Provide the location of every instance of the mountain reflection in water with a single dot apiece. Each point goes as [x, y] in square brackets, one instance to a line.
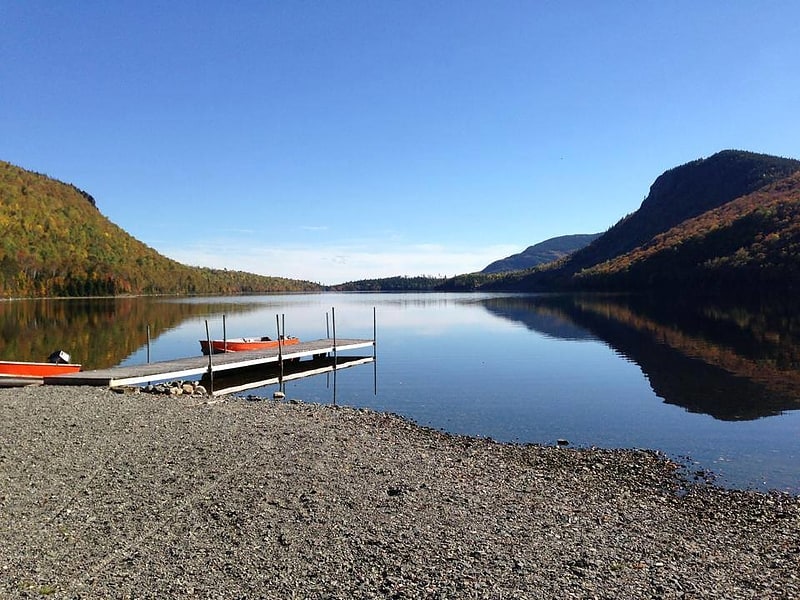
[730, 361]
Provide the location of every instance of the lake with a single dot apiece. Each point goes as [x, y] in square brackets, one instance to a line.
[713, 385]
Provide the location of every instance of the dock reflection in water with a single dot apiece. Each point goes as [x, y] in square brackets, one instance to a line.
[241, 380]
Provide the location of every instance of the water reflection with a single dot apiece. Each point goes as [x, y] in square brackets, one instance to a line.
[497, 365]
[731, 361]
[96, 332]
[240, 380]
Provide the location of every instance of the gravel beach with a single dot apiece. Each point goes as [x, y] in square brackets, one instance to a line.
[108, 495]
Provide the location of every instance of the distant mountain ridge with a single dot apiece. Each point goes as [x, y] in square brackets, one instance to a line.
[729, 222]
[542, 253]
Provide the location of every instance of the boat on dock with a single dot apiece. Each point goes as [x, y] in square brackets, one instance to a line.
[57, 364]
[196, 366]
[246, 344]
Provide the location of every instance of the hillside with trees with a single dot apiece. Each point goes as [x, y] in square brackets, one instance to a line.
[754, 239]
[682, 193]
[55, 242]
[679, 196]
[724, 223]
[390, 284]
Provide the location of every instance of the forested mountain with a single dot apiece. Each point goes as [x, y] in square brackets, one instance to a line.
[727, 222]
[753, 240]
[682, 195]
[542, 253]
[55, 242]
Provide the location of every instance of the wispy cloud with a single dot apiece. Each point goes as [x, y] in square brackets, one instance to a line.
[338, 263]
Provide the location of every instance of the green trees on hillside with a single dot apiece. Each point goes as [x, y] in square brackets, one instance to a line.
[391, 284]
[54, 242]
[727, 223]
[752, 241]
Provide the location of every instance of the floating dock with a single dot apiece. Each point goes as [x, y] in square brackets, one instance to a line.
[204, 365]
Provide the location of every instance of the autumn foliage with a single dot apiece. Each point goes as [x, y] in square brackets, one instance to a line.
[727, 223]
[55, 242]
[753, 240]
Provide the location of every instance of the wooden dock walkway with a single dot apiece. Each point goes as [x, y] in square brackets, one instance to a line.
[200, 365]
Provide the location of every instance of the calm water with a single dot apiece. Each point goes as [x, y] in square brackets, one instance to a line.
[716, 386]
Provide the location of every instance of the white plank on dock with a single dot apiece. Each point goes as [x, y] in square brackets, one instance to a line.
[199, 365]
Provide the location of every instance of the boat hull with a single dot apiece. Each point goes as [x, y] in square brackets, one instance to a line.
[19, 369]
[244, 344]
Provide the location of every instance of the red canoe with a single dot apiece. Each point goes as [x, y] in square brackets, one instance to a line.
[244, 344]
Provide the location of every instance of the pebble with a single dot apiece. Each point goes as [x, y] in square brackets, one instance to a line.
[126, 496]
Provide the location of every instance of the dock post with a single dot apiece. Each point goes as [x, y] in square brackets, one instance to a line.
[224, 336]
[335, 362]
[210, 363]
[333, 322]
[280, 350]
[334, 384]
[148, 344]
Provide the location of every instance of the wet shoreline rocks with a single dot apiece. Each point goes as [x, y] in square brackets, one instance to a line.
[151, 496]
[169, 388]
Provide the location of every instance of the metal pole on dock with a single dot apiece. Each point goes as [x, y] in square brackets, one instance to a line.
[148, 344]
[210, 362]
[224, 336]
[280, 351]
[333, 322]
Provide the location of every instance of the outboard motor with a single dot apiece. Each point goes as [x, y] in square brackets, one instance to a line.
[59, 357]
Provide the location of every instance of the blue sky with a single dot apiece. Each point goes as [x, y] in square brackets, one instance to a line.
[340, 140]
